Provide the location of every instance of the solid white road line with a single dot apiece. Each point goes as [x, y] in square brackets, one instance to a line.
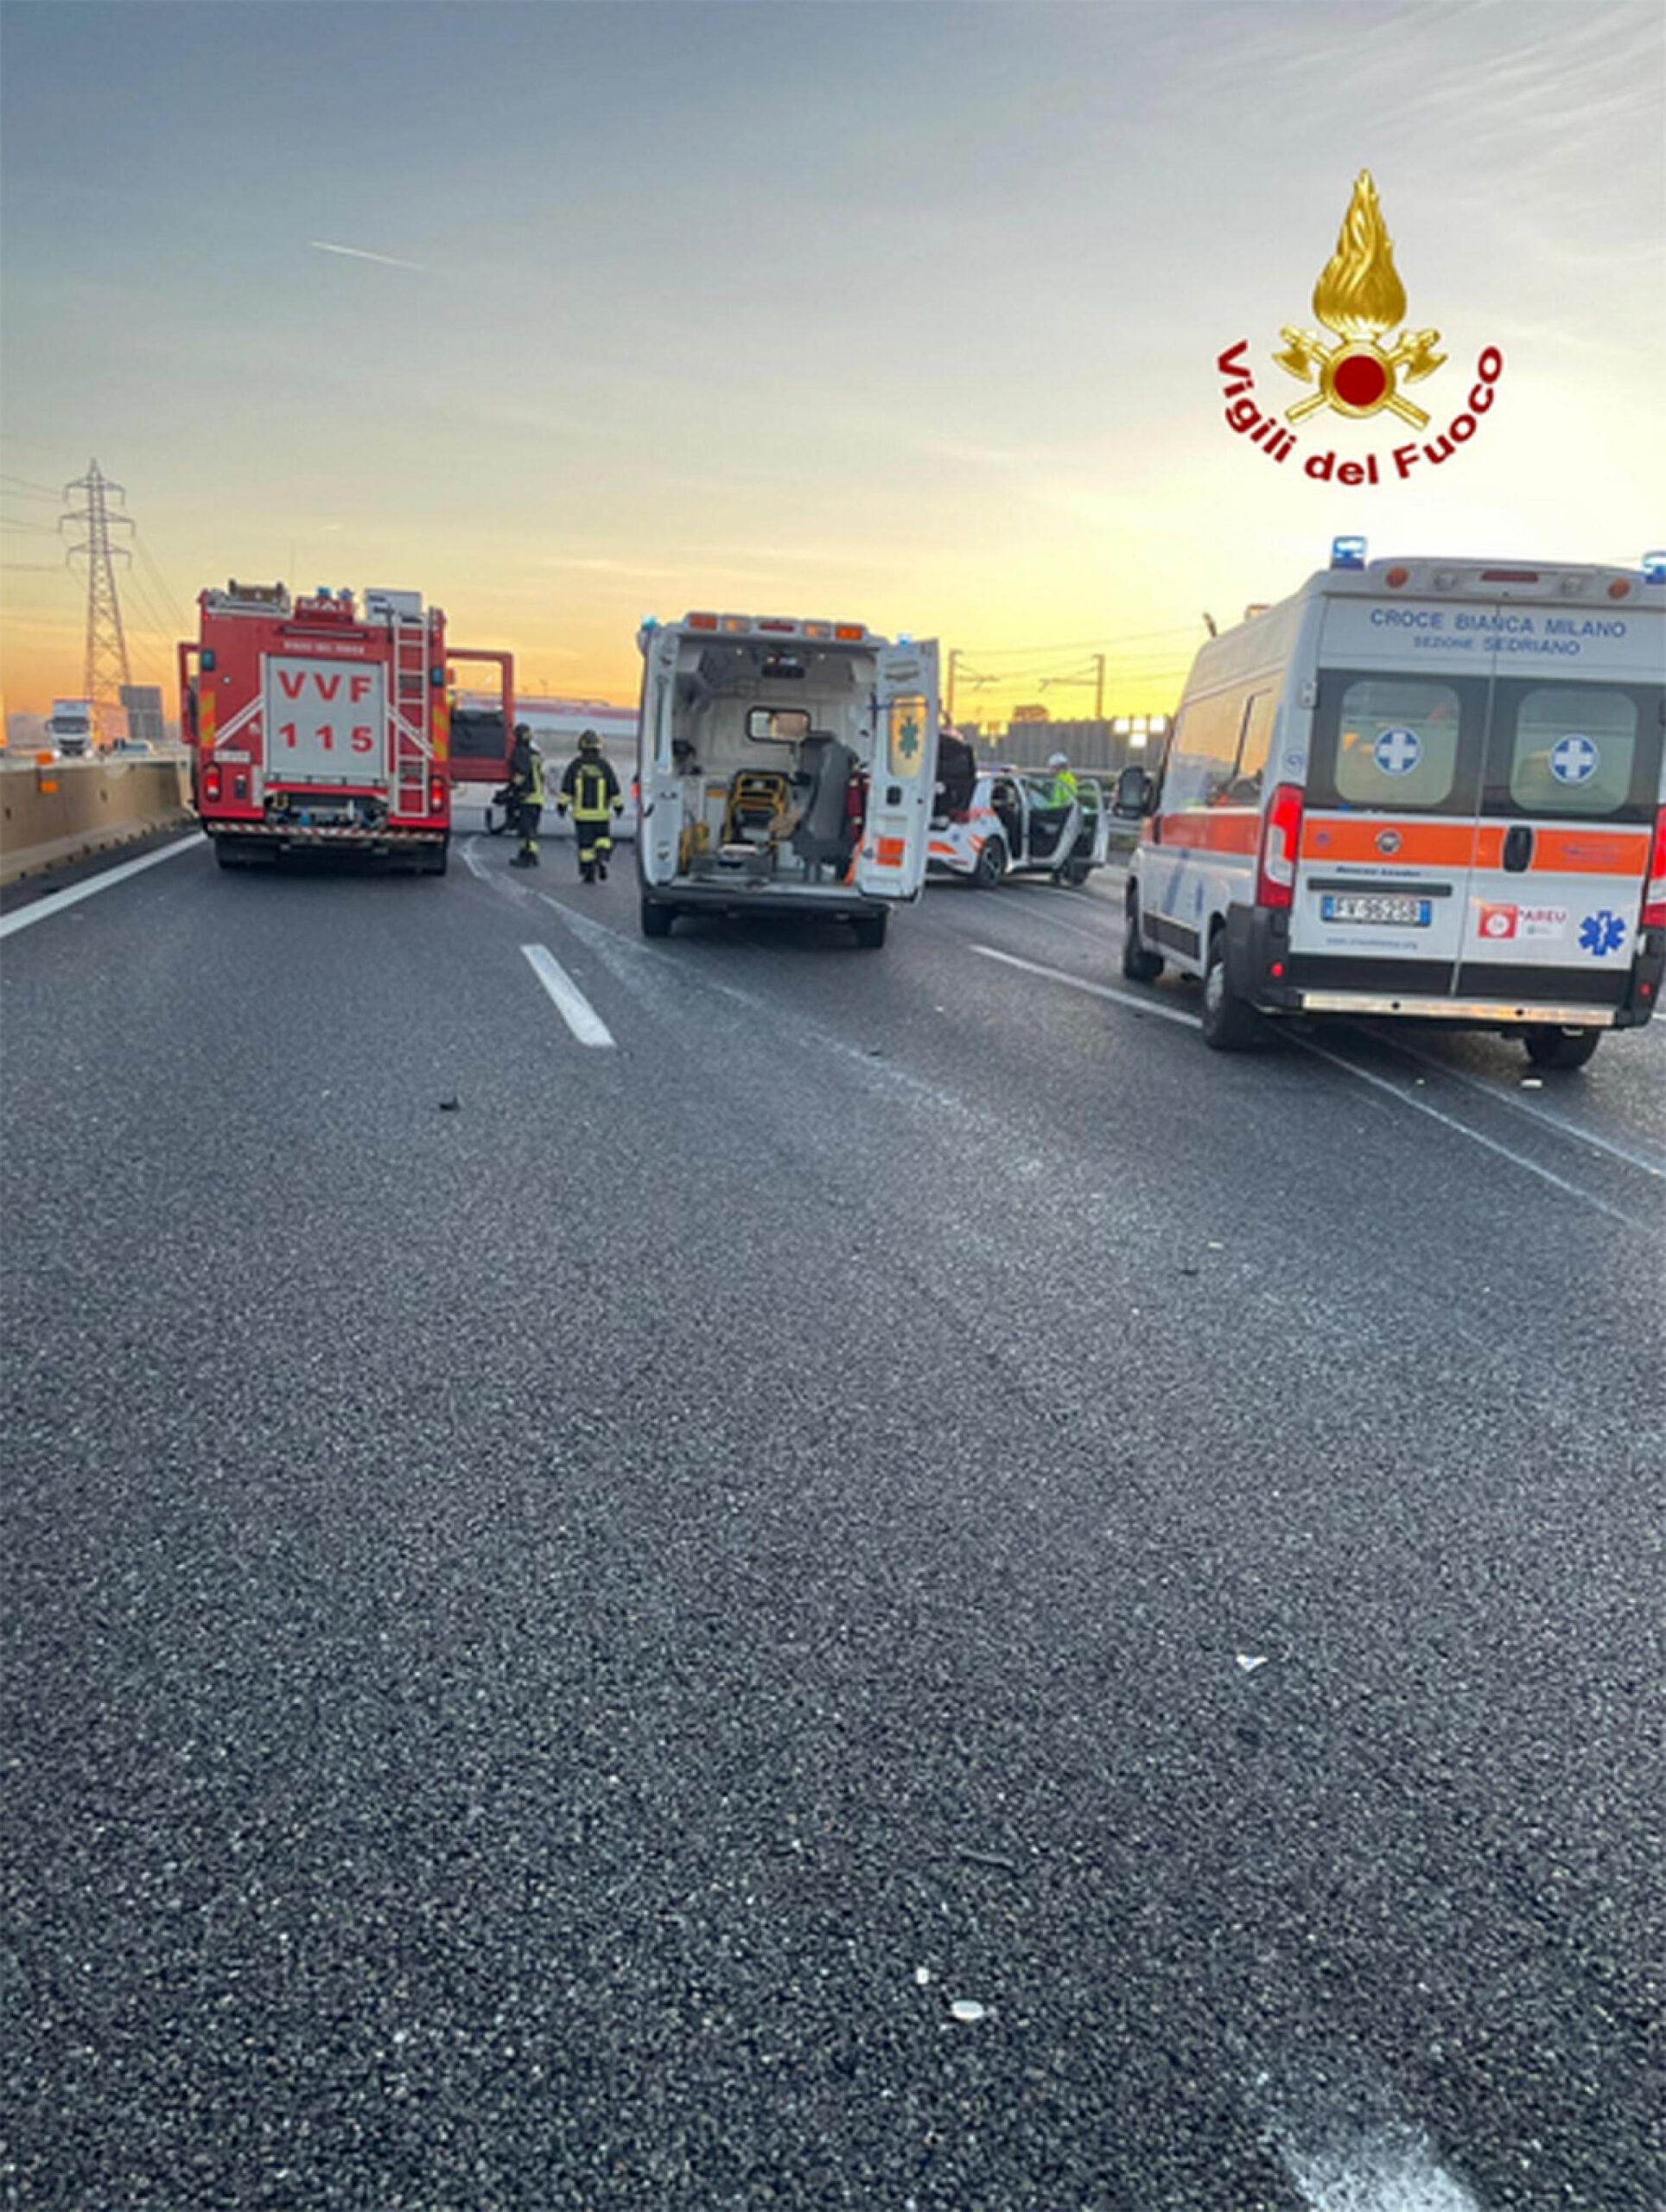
[571, 1004]
[1094, 990]
[1360, 1075]
[1451, 1121]
[43, 910]
[1534, 1113]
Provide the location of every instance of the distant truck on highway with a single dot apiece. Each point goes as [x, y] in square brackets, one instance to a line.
[73, 727]
[784, 767]
[315, 725]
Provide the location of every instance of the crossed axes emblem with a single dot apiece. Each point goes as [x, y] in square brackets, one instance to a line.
[1307, 357]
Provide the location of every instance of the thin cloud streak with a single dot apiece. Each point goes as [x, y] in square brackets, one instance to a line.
[359, 253]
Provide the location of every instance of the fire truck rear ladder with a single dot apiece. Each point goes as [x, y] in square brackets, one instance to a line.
[413, 746]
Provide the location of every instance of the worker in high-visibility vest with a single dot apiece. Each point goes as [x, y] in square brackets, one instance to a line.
[1063, 793]
[591, 790]
[526, 796]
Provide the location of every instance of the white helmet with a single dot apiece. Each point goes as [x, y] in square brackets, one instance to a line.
[1059, 760]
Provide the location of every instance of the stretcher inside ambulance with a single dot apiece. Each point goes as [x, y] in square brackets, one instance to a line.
[784, 767]
[1424, 789]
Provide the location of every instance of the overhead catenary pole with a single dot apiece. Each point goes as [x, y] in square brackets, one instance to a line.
[106, 668]
[1099, 688]
[949, 707]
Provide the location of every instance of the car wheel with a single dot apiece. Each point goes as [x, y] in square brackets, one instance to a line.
[991, 863]
[1229, 1021]
[1561, 1048]
[1140, 963]
[657, 917]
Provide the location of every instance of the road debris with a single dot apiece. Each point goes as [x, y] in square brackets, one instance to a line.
[968, 2009]
[1250, 1660]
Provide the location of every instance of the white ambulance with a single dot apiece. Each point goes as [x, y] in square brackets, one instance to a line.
[784, 767]
[1423, 788]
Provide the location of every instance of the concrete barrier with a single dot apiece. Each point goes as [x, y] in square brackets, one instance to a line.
[58, 811]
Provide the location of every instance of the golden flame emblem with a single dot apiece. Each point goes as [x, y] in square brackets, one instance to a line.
[1360, 297]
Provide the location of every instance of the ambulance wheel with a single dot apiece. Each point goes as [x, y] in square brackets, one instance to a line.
[1229, 1022]
[657, 917]
[870, 931]
[1561, 1048]
[1140, 963]
[991, 863]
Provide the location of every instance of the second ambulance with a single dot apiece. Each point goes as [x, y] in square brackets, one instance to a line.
[1425, 789]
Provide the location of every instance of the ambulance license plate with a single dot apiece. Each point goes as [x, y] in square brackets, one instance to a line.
[1389, 906]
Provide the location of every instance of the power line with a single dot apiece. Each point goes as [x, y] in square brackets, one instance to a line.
[1084, 644]
[24, 484]
[167, 597]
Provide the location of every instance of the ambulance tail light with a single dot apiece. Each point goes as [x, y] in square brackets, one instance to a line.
[1281, 838]
[1653, 892]
[849, 633]
[211, 786]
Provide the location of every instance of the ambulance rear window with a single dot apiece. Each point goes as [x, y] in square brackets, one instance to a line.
[1396, 742]
[1574, 750]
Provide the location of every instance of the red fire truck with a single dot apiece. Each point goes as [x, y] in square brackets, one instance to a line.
[315, 724]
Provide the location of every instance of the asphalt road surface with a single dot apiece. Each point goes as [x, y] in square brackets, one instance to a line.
[735, 1572]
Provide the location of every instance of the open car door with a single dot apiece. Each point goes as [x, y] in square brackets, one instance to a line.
[891, 863]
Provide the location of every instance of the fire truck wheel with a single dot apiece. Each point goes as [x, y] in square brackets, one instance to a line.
[435, 863]
[234, 852]
[1561, 1048]
[657, 917]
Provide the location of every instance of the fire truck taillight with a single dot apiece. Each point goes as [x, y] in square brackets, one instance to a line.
[211, 782]
[1275, 878]
[437, 794]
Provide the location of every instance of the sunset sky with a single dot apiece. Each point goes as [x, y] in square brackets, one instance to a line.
[907, 314]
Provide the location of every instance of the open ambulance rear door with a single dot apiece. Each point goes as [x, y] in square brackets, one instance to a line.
[891, 863]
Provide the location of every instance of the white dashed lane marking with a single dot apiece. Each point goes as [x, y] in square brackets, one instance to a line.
[575, 1010]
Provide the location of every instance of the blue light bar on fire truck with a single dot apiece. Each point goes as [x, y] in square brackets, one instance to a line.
[1347, 552]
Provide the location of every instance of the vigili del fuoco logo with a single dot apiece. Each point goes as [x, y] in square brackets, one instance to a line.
[1358, 371]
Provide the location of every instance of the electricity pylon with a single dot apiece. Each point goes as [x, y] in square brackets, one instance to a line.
[107, 666]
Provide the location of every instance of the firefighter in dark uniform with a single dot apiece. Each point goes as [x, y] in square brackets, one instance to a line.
[591, 790]
[527, 790]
